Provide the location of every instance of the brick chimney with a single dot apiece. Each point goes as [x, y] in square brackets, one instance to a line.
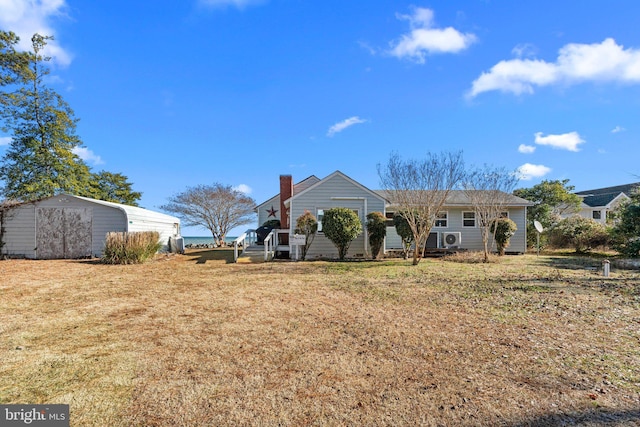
[286, 191]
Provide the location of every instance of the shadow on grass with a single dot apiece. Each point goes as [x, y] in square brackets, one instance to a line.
[573, 262]
[593, 417]
[204, 255]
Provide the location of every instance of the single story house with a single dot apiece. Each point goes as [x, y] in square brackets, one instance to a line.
[67, 226]
[456, 225]
[597, 204]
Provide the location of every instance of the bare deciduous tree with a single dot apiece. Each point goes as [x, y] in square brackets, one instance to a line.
[216, 207]
[419, 188]
[489, 192]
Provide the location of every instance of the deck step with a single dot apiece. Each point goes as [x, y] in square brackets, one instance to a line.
[251, 255]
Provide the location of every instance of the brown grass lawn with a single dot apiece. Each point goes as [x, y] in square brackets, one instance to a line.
[192, 340]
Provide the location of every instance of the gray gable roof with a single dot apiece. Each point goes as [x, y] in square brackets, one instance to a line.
[604, 196]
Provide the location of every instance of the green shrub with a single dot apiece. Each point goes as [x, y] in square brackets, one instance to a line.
[404, 231]
[307, 225]
[130, 248]
[341, 226]
[377, 231]
[503, 229]
[578, 232]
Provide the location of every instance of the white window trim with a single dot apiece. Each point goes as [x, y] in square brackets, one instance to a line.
[319, 218]
[475, 220]
[445, 219]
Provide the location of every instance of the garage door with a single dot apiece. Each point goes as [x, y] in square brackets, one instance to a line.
[63, 233]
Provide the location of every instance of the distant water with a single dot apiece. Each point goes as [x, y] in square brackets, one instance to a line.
[203, 240]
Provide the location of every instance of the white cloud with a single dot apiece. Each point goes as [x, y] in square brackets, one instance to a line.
[25, 18]
[424, 39]
[240, 4]
[243, 188]
[339, 127]
[526, 149]
[5, 140]
[87, 155]
[618, 129]
[566, 141]
[576, 63]
[524, 50]
[528, 171]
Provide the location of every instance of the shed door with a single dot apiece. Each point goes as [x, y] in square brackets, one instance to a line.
[63, 232]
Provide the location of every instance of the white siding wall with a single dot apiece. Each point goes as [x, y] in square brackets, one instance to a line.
[167, 229]
[21, 227]
[20, 236]
[263, 215]
[323, 196]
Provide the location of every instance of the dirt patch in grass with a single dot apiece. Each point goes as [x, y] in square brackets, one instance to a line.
[179, 341]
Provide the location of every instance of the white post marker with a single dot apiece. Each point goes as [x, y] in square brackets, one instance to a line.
[297, 240]
[606, 265]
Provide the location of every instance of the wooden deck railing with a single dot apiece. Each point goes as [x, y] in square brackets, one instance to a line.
[272, 243]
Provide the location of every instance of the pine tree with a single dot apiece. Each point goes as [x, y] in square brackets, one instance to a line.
[40, 161]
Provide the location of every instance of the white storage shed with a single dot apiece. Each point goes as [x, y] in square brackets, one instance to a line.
[67, 226]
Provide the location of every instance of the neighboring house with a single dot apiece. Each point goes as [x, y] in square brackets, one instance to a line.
[67, 226]
[455, 227]
[597, 204]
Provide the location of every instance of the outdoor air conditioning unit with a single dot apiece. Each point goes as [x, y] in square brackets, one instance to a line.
[451, 239]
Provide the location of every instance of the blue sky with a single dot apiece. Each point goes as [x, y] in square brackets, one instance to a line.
[179, 93]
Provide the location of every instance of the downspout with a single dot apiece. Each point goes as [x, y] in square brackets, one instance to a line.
[366, 235]
[526, 240]
[35, 232]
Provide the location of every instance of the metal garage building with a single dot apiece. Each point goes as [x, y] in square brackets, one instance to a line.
[67, 226]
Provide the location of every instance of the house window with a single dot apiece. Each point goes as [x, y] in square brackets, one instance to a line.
[320, 215]
[389, 217]
[468, 219]
[504, 214]
[597, 215]
[441, 219]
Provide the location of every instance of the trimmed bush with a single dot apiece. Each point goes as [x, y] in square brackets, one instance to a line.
[341, 226]
[503, 229]
[404, 231]
[377, 230]
[130, 248]
[307, 225]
